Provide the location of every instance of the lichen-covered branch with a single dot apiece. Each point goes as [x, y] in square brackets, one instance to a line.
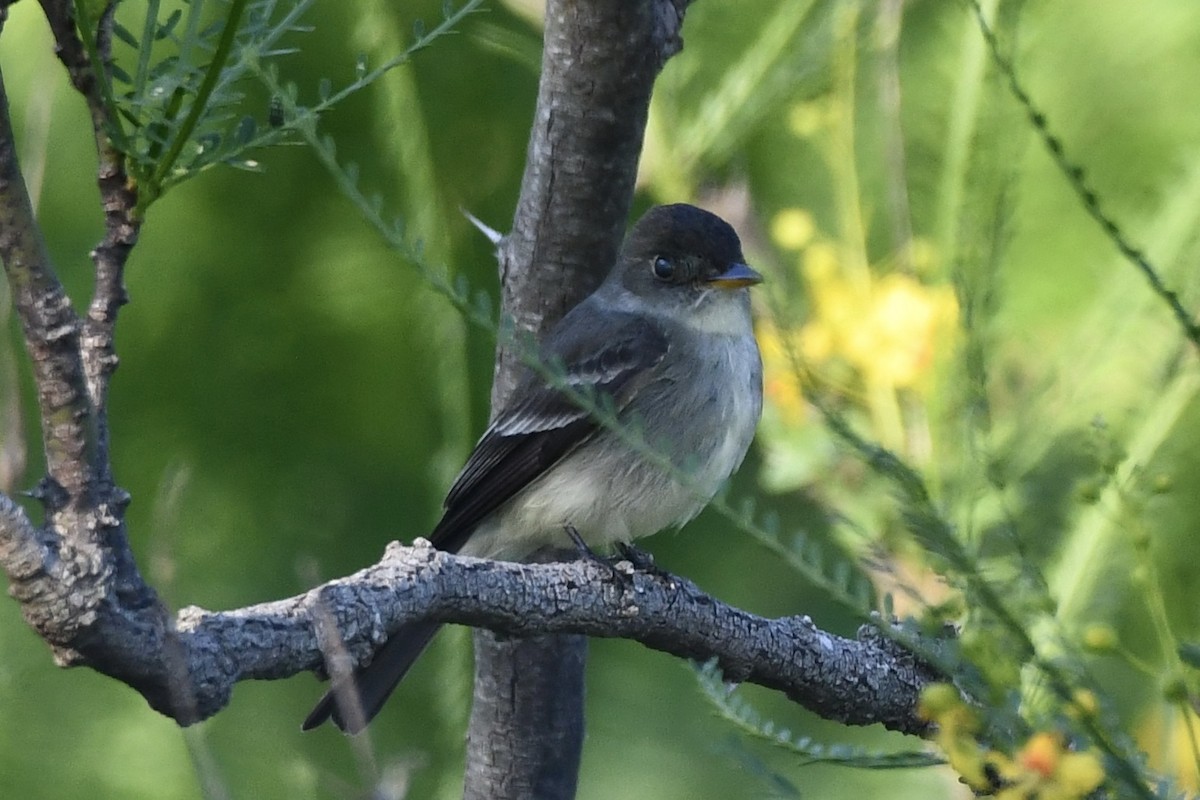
[861, 681]
[50, 327]
[118, 197]
[75, 575]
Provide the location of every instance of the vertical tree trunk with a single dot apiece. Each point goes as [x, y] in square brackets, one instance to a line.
[600, 59]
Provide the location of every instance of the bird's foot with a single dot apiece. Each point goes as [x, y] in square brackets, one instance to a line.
[586, 553]
[639, 558]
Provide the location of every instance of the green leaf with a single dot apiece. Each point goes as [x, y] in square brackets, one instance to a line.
[1189, 652]
[245, 130]
[167, 28]
[120, 74]
[777, 785]
[122, 33]
[731, 707]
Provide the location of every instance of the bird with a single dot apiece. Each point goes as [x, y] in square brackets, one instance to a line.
[666, 342]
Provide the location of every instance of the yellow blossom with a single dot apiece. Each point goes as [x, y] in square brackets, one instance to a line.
[905, 323]
[1080, 774]
[820, 264]
[956, 724]
[1046, 769]
[793, 228]
[890, 331]
[1083, 704]
[1040, 754]
[878, 334]
[1043, 767]
[1164, 734]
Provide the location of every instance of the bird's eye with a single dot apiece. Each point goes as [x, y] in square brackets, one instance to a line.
[664, 268]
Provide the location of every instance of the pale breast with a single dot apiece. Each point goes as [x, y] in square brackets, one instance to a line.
[700, 414]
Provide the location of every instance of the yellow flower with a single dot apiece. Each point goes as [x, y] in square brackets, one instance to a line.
[957, 725]
[1080, 774]
[821, 265]
[878, 335]
[1042, 768]
[793, 228]
[905, 324]
[1040, 754]
[1045, 769]
[889, 330]
[1164, 734]
[1100, 638]
[1083, 704]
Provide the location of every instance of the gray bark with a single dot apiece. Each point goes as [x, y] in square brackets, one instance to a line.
[599, 63]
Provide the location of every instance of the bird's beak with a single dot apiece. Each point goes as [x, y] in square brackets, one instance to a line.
[736, 276]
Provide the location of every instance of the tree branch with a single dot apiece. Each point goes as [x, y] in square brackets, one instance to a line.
[600, 59]
[862, 682]
[51, 331]
[75, 575]
[118, 197]
[599, 62]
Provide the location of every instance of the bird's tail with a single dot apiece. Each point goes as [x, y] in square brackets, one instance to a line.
[356, 701]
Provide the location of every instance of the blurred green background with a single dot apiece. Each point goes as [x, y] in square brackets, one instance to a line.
[924, 254]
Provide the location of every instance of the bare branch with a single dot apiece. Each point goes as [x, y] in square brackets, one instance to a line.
[862, 681]
[50, 327]
[73, 55]
[118, 197]
[75, 576]
[599, 62]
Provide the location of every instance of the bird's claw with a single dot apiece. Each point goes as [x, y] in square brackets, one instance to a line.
[638, 559]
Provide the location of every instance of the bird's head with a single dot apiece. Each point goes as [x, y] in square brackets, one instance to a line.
[680, 254]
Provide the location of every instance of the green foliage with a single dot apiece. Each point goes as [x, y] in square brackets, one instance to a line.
[1087, 195]
[1017, 469]
[774, 784]
[183, 107]
[474, 306]
[738, 712]
[819, 563]
[175, 110]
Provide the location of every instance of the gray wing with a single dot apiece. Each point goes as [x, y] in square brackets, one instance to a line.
[612, 360]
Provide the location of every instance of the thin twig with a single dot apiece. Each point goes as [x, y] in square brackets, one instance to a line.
[1087, 195]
